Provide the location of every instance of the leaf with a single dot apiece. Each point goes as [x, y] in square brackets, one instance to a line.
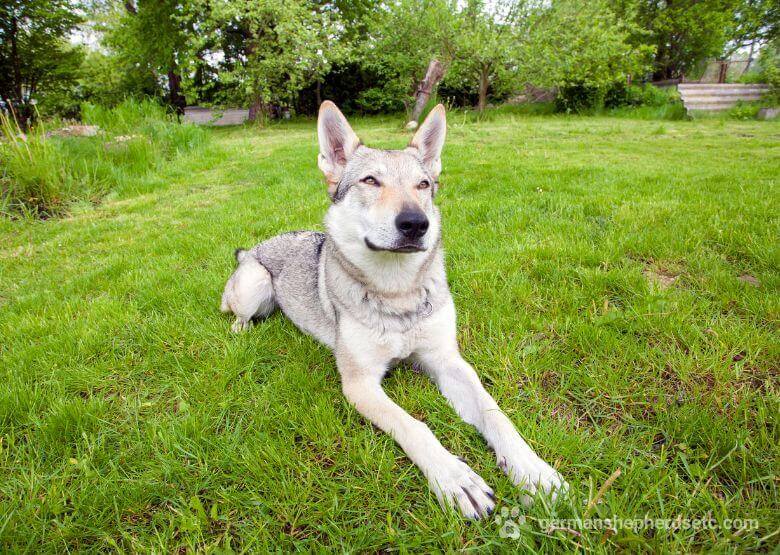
[199, 510]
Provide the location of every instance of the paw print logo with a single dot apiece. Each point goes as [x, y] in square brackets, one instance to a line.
[509, 522]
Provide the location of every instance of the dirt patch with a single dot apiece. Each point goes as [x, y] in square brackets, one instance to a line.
[550, 380]
[660, 278]
[758, 379]
[661, 275]
[747, 278]
[75, 130]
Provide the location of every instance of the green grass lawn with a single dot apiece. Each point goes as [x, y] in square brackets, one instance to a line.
[617, 286]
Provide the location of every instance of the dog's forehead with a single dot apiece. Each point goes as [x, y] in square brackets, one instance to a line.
[391, 163]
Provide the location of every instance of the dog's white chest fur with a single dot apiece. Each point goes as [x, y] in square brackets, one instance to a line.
[394, 346]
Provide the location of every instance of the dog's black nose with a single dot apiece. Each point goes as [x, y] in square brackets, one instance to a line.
[412, 223]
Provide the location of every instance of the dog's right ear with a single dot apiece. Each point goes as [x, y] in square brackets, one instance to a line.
[337, 143]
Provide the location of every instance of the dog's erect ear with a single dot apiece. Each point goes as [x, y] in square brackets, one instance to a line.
[337, 143]
[429, 140]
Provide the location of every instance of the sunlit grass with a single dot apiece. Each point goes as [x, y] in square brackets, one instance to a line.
[43, 174]
[617, 287]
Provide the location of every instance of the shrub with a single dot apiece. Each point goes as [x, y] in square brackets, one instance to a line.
[744, 110]
[379, 100]
[577, 98]
[752, 77]
[620, 94]
[770, 71]
[641, 101]
[43, 173]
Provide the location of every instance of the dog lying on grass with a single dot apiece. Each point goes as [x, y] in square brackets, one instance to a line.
[374, 290]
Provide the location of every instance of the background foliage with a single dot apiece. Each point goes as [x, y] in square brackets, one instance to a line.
[370, 55]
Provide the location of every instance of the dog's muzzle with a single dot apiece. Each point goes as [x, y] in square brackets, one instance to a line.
[404, 247]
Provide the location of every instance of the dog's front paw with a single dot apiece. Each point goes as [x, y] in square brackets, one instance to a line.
[455, 484]
[240, 325]
[529, 472]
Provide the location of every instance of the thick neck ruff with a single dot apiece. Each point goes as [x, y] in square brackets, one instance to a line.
[360, 276]
[416, 301]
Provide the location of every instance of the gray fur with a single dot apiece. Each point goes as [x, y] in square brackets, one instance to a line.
[248, 293]
[374, 290]
[313, 282]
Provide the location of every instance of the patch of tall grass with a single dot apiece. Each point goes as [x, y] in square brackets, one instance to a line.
[671, 111]
[42, 174]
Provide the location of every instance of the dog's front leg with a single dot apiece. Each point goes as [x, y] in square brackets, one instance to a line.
[453, 482]
[458, 382]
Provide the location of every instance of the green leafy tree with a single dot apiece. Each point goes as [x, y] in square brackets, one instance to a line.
[149, 37]
[502, 45]
[107, 78]
[684, 33]
[486, 42]
[411, 44]
[583, 43]
[35, 54]
[769, 61]
[261, 52]
[756, 23]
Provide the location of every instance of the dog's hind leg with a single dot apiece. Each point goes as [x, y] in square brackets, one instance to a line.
[249, 293]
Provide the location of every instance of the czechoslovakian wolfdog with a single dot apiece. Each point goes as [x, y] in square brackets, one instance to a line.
[373, 288]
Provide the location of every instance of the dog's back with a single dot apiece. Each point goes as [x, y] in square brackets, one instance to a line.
[292, 262]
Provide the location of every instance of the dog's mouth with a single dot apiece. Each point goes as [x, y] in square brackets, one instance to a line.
[405, 248]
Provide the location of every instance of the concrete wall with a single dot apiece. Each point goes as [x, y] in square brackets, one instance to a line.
[207, 116]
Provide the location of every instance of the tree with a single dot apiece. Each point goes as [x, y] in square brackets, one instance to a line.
[152, 35]
[503, 45]
[684, 33]
[35, 55]
[756, 23]
[261, 52]
[487, 38]
[583, 43]
[407, 41]
[107, 78]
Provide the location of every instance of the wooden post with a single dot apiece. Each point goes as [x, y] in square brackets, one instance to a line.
[750, 57]
[484, 84]
[433, 75]
[722, 71]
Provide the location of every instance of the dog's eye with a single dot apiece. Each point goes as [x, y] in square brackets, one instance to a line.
[424, 184]
[370, 180]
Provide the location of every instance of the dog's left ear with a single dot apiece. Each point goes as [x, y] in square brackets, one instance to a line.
[429, 140]
[337, 143]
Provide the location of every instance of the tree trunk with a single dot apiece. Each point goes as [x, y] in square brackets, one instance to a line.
[257, 111]
[176, 98]
[432, 77]
[723, 68]
[750, 57]
[17, 85]
[484, 83]
[318, 92]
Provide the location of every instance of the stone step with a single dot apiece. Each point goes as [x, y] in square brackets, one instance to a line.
[716, 99]
[712, 97]
[722, 86]
[708, 106]
[712, 90]
[707, 92]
